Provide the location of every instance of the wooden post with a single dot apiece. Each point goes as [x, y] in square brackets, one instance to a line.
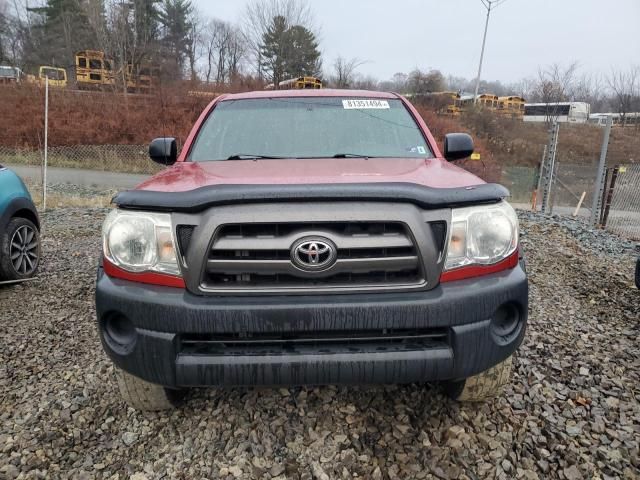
[575, 213]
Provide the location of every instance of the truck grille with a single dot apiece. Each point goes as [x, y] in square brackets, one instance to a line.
[257, 256]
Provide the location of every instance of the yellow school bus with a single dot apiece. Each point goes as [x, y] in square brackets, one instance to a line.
[512, 105]
[453, 103]
[147, 78]
[93, 70]
[487, 100]
[297, 83]
[57, 76]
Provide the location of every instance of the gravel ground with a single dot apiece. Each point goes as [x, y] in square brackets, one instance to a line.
[571, 411]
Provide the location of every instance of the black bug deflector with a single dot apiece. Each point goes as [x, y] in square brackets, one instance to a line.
[205, 197]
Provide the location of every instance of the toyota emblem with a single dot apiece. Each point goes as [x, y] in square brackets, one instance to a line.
[313, 254]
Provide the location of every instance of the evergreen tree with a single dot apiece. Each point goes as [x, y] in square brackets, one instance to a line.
[289, 51]
[146, 20]
[146, 29]
[273, 50]
[175, 17]
[303, 56]
[64, 30]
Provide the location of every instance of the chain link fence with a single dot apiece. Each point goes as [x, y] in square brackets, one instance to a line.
[105, 158]
[571, 182]
[621, 205]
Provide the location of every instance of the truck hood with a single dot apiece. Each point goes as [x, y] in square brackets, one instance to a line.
[186, 176]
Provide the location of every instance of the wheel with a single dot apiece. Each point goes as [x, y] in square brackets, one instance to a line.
[638, 273]
[146, 396]
[482, 386]
[19, 250]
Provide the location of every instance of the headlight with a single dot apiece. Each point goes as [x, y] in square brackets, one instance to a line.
[482, 235]
[140, 241]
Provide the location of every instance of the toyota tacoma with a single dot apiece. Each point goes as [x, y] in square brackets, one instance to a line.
[307, 238]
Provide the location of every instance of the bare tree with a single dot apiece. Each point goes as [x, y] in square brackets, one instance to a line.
[625, 85]
[215, 39]
[554, 84]
[344, 71]
[423, 82]
[259, 15]
[224, 50]
[525, 88]
[94, 10]
[590, 88]
[193, 40]
[366, 83]
[236, 53]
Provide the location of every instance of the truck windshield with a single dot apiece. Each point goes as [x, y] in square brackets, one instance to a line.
[315, 127]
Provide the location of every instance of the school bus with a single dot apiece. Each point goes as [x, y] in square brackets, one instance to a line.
[487, 100]
[93, 70]
[57, 76]
[453, 105]
[513, 106]
[444, 103]
[297, 83]
[147, 78]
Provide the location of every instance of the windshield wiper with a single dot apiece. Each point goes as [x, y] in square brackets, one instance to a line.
[351, 155]
[249, 156]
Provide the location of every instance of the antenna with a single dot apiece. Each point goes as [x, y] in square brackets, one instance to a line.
[489, 5]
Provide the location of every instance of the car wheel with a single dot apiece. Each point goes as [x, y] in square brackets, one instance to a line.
[638, 273]
[480, 387]
[19, 250]
[146, 396]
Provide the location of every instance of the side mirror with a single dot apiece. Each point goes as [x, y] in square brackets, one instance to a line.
[457, 146]
[164, 150]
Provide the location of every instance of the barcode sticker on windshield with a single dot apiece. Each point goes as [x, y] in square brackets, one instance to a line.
[362, 104]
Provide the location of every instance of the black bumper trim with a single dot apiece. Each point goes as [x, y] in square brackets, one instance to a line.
[464, 308]
[364, 367]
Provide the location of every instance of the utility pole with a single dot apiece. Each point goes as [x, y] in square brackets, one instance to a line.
[488, 4]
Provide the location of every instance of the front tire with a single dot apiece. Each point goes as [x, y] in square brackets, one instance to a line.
[484, 385]
[146, 396]
[19, 250]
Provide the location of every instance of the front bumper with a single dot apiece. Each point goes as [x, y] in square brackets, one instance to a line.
[172, 337]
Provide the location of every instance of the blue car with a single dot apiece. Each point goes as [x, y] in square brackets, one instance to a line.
[19, 229]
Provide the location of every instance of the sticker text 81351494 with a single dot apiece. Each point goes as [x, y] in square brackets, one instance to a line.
[361, 103]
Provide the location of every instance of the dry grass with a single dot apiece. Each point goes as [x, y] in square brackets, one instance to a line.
[102, 158]
[60, 199]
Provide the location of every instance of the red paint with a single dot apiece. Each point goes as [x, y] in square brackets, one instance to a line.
[435, 172]
[472, 271]
[153, 278]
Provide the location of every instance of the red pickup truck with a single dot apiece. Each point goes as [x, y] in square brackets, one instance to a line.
[311, 237]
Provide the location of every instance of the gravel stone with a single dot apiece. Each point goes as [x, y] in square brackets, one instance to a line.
[572, 400]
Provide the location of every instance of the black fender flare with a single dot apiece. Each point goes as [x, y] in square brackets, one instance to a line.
[14, 206]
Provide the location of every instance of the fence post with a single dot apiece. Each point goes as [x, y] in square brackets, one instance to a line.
[549, 167]
[46, 143]
[609, 195]
[538, 181]
[599, 190]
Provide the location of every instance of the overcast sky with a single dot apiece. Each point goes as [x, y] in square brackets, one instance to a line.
[399, 35]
